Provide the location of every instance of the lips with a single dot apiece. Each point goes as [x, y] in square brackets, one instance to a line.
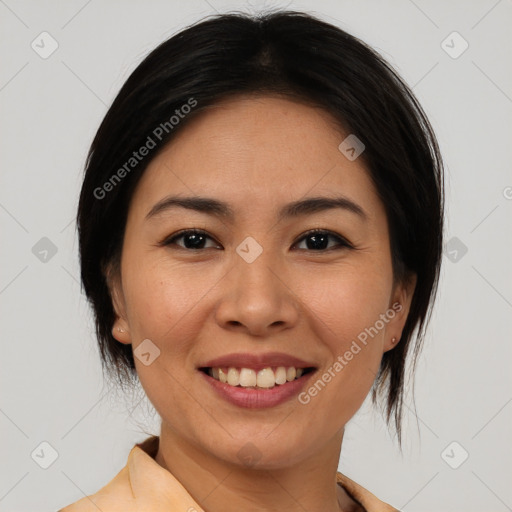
[257, 361]
[257, 380]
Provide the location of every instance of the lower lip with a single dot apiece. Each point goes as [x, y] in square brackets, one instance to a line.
[258, 398]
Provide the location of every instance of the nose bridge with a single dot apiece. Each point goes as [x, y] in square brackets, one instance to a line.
[256, 296]
[258, 275]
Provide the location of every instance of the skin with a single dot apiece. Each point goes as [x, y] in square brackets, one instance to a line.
[257, 154]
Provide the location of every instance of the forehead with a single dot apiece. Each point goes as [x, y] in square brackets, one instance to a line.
[261, 150]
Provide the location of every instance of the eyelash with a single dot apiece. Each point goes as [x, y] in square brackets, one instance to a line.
[342, 242]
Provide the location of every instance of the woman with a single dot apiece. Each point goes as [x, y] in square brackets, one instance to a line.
[260, 231]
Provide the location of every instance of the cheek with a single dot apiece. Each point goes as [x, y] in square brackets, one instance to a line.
[348, 302]
[164, 304]
[347, 310]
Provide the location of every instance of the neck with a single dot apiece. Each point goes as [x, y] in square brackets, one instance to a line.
[222, 486]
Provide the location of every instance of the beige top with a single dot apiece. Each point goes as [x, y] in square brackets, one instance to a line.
[145, 486]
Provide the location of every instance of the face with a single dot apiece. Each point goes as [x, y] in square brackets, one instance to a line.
[254, 285]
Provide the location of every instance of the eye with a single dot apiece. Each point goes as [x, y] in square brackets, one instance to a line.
[192, 239]
[318, 240]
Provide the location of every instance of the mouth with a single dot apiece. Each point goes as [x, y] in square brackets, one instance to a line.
[254, 378]
[256, 381]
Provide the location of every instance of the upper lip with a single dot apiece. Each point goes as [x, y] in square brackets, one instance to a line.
[256, 361]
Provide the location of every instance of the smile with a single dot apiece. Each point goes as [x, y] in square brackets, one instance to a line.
[254, 380]
[265, 378]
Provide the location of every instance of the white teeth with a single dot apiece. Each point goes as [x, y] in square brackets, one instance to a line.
[265, 378]
[291, 373]
[281, 375]
[233, 377]
[247, 377]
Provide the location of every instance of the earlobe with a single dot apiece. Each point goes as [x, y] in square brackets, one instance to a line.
[391, 342]
[121, 332]
[401, 304]
[120, 329]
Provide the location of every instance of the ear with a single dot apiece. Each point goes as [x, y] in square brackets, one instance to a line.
[401, 304]
[120, 327]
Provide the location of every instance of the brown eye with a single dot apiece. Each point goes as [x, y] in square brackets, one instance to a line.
[193, 239]
[318, 240]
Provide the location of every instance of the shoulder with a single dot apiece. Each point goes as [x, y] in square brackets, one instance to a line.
[120, 494]
[364, 497]
[114, 496]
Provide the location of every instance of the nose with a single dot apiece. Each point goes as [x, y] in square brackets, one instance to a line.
[257, 300]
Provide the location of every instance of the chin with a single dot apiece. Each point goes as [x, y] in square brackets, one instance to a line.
[259, 452]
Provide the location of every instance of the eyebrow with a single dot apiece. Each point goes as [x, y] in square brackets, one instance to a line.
[221, 209]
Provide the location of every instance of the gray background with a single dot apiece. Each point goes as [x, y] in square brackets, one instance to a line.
[51, 381]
